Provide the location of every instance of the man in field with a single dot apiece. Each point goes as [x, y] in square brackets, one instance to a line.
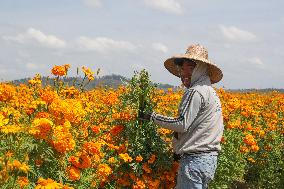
[199, 127]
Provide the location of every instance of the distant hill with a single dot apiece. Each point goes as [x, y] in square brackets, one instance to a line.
[112, 81]
[256, 90]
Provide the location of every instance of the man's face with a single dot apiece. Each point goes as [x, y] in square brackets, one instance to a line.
[186, 69]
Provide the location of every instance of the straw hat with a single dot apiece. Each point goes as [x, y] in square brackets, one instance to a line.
[197, 53]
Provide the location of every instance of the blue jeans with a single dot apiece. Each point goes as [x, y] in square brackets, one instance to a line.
[196, 171]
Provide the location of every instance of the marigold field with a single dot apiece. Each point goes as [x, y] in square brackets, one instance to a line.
[60, 136]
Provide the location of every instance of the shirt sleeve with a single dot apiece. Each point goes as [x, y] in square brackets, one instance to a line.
[189, 108]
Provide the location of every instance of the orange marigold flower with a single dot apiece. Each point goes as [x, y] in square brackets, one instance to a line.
[95, 129]
[146, 168]
[74, 173]
[116, 130]
[60, 70]
[48, 95]
[92, 148]
[22, 181]
[62, 139]
[249, 139]
[139, 184]
[139, 158]
[41, 128]
[152, 159]
[42, 115]
[254, 148]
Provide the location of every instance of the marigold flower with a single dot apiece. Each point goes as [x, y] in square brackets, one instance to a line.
[111, 160]
[74, 173]
[10, 129]
[251, 160]
[41, 128]
[244, 149]
[60, 70]
[95, 129]
[152, 159]
[125, 157]
[22, 181]
[146, 168]
[104, 169]
[249, 139]
[89, 73]
[116, 130]
[139, 158]
[254, 148]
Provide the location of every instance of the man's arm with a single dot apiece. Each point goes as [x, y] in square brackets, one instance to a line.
[190, 106]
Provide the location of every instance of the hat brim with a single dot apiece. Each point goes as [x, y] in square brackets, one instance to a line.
[214, 71]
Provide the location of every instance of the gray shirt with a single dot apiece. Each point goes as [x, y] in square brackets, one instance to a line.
[199, 125]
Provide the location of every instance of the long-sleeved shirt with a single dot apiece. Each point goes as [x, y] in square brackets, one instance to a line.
[199, 125]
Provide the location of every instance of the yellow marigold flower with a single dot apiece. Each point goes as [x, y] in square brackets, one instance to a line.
[244, 149]
[104, 169]
[164, 131]
[3, 120]
[10, 129]
[36, 80]
[125, 157]
[112, 160]
[251, 160]
[88, 72]
[25, 168]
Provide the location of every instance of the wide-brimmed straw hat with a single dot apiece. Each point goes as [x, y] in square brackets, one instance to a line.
[197, 54]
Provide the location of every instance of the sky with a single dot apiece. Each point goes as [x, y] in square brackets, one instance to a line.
[244, 38]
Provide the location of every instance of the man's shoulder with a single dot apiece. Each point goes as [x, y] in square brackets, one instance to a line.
[202, 89]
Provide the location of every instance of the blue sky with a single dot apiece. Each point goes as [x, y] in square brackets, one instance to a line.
[245, 38]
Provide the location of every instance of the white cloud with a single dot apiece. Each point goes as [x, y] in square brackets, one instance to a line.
[171, 6]
[31, 66]
[256, 61]
[33, 35]
[236, 34]
[160, 47]
[104, 44]
[93, 3]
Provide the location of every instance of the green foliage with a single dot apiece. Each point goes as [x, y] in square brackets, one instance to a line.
[142, 136]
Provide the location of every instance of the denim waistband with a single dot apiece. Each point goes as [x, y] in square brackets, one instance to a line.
[207, 153]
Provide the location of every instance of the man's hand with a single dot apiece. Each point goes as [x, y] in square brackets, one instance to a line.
[144, 116]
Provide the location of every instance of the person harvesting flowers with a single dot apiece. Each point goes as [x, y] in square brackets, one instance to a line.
[199, 127]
